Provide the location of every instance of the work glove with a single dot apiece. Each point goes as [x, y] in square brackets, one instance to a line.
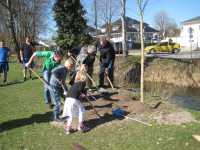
[65, 93]
[59, 81]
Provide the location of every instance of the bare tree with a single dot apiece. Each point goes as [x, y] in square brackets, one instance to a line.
[161, 21]
[172, 29]
[142, 4]
[24, 18]
[124, 29]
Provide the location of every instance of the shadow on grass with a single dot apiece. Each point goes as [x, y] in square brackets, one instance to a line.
[36, 118]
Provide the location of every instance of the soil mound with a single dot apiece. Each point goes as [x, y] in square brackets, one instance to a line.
[131, 105]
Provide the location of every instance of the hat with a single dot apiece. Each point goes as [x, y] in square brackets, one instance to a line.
[102, 38]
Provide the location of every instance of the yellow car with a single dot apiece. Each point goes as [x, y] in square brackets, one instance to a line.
[163, 47]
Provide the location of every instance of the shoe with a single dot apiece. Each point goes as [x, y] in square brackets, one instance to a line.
[4, 82]
[59, 120]
[91, 91]
[82, 128]
[49, 106]
[99, 86]
[24, 79]
[30, 78]
[68, 131]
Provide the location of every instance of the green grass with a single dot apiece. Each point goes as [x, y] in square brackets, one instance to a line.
[24, 124]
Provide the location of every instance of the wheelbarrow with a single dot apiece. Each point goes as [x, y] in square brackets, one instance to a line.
[118, 112]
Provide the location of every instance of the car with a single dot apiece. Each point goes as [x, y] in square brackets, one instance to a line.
[163, 47]
[118, 48]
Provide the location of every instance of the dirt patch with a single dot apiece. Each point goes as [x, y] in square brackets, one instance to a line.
[131, 105]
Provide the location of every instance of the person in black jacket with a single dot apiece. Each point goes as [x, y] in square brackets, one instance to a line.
[107, 58]
[86, 55]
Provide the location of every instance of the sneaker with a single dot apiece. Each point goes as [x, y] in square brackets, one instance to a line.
[82, 128]
[24, 79]
[99, 86]
[49, 106]
[59, 120]
[30, 78]
[68, 131]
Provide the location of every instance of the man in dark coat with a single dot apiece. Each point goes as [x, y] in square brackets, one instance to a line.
[107, 58]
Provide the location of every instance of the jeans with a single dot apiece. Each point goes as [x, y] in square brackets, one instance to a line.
[55, 94]
[110, 72]
[47, 76]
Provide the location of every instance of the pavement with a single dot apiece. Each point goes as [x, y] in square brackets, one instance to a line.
[193, 54]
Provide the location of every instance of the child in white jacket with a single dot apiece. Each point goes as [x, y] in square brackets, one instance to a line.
[73, 106]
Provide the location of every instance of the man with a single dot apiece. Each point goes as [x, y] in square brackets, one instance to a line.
[26, 51]
[3, 59]
[107, 58]
[52, 60]
[86, 55]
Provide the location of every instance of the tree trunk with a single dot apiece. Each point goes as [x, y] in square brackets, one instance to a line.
[142, 56]
[16, 47]
[124, 48]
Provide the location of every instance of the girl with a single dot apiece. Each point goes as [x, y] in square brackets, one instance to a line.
[73, 106]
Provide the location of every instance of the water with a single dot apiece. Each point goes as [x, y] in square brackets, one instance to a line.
[185, 97]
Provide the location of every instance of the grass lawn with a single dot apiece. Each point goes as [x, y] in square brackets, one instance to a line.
[134, 50]
[24, 124]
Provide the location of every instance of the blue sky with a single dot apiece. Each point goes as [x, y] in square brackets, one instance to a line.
[179, 10]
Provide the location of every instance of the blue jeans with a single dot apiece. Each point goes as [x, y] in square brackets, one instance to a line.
[110, 72]
[47, 76]
[55, 94]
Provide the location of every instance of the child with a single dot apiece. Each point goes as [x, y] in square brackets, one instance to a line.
[81, 68]
[73, 106]
[58, 77]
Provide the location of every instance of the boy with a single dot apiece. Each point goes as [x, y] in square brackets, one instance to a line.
[52, 60]
[58, 77]
[3, 59]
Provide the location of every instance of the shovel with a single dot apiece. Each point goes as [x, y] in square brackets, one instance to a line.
[118, 112]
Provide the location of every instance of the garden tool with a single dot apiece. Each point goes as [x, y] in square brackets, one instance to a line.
[43, 81]
[106, 75]
[119, 112]
[92, 106]
[92, 96]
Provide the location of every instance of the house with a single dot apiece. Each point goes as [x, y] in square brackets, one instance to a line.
[132, 31]
[47, 43]
[184, 39]
[90, 30]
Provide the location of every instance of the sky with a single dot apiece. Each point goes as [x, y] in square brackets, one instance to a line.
[179, 10]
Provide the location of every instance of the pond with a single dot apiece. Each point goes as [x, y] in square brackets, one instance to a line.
[185, 97]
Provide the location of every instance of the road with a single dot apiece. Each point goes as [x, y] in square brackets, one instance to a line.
[195, 54]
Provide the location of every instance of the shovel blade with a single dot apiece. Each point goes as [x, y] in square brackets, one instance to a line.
[117, 112]
[102, 90]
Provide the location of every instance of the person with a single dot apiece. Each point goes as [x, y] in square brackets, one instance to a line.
[83, 67]
[52, 60]
[4, 59]
[73, 106]
[107, 58]
[86, 55]
[26, 51]
[57, 80]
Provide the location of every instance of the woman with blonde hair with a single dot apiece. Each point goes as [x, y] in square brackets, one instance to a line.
[73, 106]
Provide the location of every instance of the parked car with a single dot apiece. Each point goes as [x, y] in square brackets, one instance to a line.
[163, 47]
[118, 47]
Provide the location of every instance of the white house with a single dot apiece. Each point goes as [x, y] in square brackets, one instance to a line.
[132, 31]
[184, 39]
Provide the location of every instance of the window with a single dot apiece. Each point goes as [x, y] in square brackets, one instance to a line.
[163, 44]
[171, 43]
[115, 28]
